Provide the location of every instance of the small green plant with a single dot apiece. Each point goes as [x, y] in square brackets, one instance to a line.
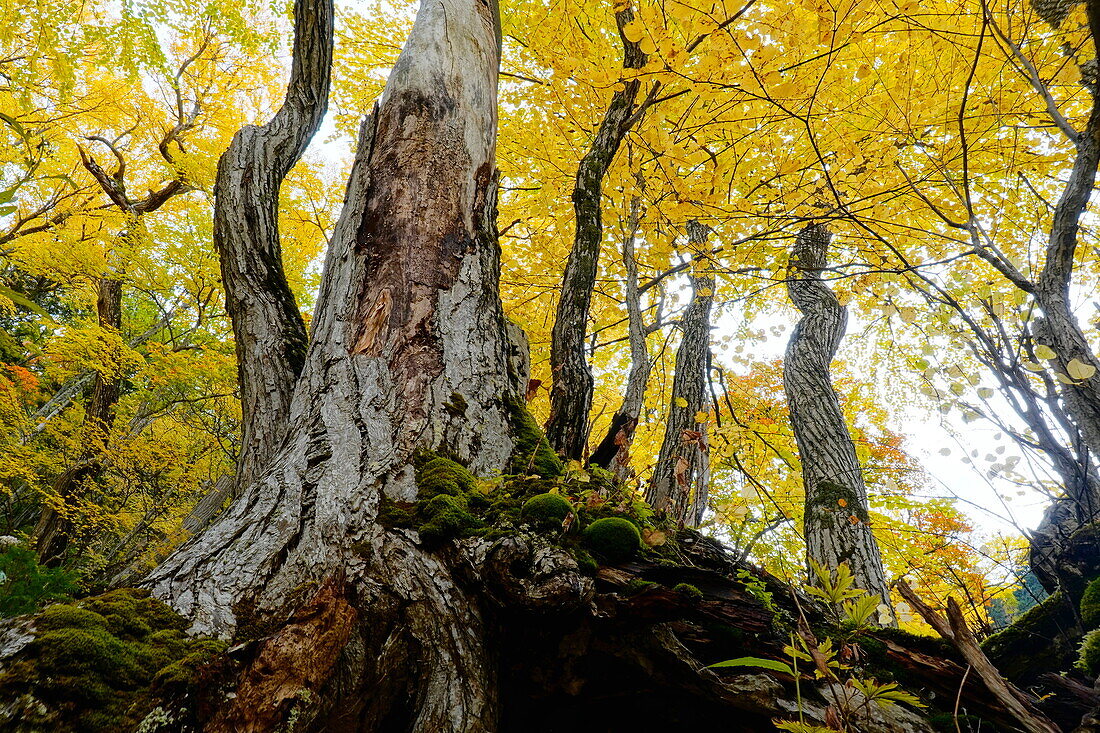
[757, 588]
[26, 586]
[851, 607]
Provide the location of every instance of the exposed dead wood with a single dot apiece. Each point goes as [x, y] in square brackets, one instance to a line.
[955, 630]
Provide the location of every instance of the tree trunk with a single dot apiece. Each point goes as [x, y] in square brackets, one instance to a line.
[837, 524]
[571, 393]
[408, 352]
[54, 531]
[682, 472]
[613, 452]
[267, 325]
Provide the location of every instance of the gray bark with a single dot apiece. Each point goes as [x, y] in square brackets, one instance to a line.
[571, 392]
[682, 472]
[408, 318]
[613, 452]
[837, 524]
[267, 325]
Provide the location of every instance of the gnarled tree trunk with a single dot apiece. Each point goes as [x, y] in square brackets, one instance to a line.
[837, 525]
[680, 478]
[268, 328]
[408, 351]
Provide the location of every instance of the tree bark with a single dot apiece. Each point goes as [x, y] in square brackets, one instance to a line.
[613, 452]
[267, 325]
[837, 524]
[571, 392]
[682, 472]
[408, 351]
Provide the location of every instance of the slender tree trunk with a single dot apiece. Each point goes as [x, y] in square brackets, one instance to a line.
[409, 351]
[613, 452]
[1059, 328]
[571, 393]
[680, 478]
[53, 533]
[837, 524]
[267, 325]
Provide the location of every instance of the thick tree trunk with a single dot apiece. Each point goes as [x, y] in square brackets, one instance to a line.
[613, 452]
[267, 325]
[837, 524]
[571, 392]
[409, 351]
[682, 472]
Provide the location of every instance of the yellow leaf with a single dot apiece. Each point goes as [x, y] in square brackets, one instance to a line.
[633, 32]
[1079, 369]
[1042, 351]
[1063, 378]
[646, 46]
[680, 402]
[702, 416]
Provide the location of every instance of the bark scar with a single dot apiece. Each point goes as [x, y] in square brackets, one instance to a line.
[373, 326]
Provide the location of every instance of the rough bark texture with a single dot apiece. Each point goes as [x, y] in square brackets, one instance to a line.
[682, 472]
[837, 526]
[571, 392]
[267, 325]
[409, 351]
[613, 452]
[1060, 330]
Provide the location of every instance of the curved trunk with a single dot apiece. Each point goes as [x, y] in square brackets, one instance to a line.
[613, 452]
[682, 472]
[409, 351]
[837, 525]
[571, 392]
[268, 328]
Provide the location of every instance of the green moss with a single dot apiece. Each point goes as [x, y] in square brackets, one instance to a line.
[1090, 605]
[585, 562]
[950, 723]
[65, 615]
[637, 585]
[443, 476]
[457, 405]
[1088, 654]
[446, 517]
[546, 510]
[395, 514]
[686, 589]
[92, 666]
[833, 497]
[613, 538]
[531, 454]
[1039, 641]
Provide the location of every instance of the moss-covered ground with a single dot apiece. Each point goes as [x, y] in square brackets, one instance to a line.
[101, 664]
[565, 503]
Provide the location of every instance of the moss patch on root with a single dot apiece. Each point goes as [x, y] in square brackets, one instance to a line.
[615, 539]
[546, 510]
[1088, 655]
[532, 454]
[101, 664]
